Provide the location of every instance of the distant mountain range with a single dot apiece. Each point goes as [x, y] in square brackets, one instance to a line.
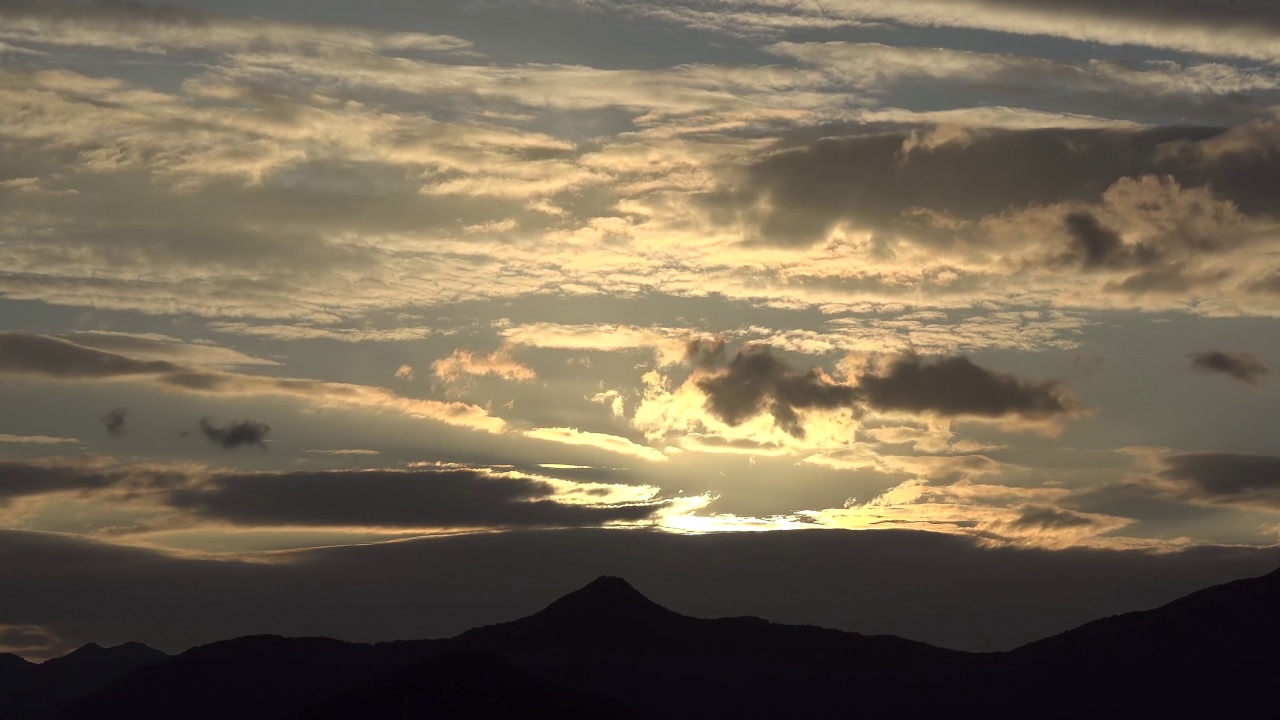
[606, 651]
[33, 692]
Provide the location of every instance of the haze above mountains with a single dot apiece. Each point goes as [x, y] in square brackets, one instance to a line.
[607, 651]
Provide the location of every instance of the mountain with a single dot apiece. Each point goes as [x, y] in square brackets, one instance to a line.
[607, 651]
[40, 691]
[261, 676]
[14, 674]
[610, 638]
[466, 686]
[1215, 652]
[606, 639]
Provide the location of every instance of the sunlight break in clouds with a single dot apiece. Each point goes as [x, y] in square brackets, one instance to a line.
[740, 276]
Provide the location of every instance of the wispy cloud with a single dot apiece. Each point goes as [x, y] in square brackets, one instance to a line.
[36, 440]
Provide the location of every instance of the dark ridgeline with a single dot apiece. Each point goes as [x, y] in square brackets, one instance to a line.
[1213, 653]
[606, 651]
[15, 673]
[467, 685]
[31, 692]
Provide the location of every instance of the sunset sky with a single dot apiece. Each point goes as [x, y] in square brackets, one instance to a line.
[386, 319]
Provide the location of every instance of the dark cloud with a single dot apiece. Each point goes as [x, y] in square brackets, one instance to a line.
[757, 381]
[705, 353]
[955, 386]
[1047, 518]
[389, 498]
[970, 597]
[161, 347]
[796, 195]
[241, 432]
[1242, 366]
[1098, 246]
[18, 479]
[29, 479]
[115, 421]
[1170, 279]
[29, 354]
[1224, 478]
[1267, 285]
[1234, 14]
[462, 498]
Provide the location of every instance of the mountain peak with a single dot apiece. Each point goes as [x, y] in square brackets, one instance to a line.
[127, 654]
[605, 598]
[611, 584]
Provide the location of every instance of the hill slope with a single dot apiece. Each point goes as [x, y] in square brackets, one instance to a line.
[40, 691]
[606, 650]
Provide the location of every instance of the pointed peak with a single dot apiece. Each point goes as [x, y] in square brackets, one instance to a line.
[605, 597]
[609, 589]
[610, 583]
[125, 652]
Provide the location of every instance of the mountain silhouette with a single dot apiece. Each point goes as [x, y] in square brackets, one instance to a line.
[606, 639]
[608, 651]
[15, 672]
[261, 676]
[39, 691]
[466, 686]
[1210, 653]
[610, 638]
[606, 599]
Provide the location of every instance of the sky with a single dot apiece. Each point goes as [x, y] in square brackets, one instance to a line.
[948, 318]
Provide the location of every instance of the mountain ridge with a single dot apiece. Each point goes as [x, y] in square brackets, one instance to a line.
[44, 689]
[608, 643]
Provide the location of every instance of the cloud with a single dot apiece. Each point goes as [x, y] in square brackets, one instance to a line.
[705, 353]
[36, 440]
[1048, 518]
[306, 331]
[797, 195]
[355, 451]
[25, 479]
[670, 344]
[757, 381]
[995, 515]
[873, 66]
[396, 499]
[654, 220]
[166, 498]
[1245, 481]
[1194, 26]
[114, 421]
[463, 363]
[760, 402]
[241, 432]
[600, 441]
[1101, 246]
[156, 28]
[33, 642]
[1245, 367]
[154, 346]
[404, 372]
[957, 387]
[27, 354]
